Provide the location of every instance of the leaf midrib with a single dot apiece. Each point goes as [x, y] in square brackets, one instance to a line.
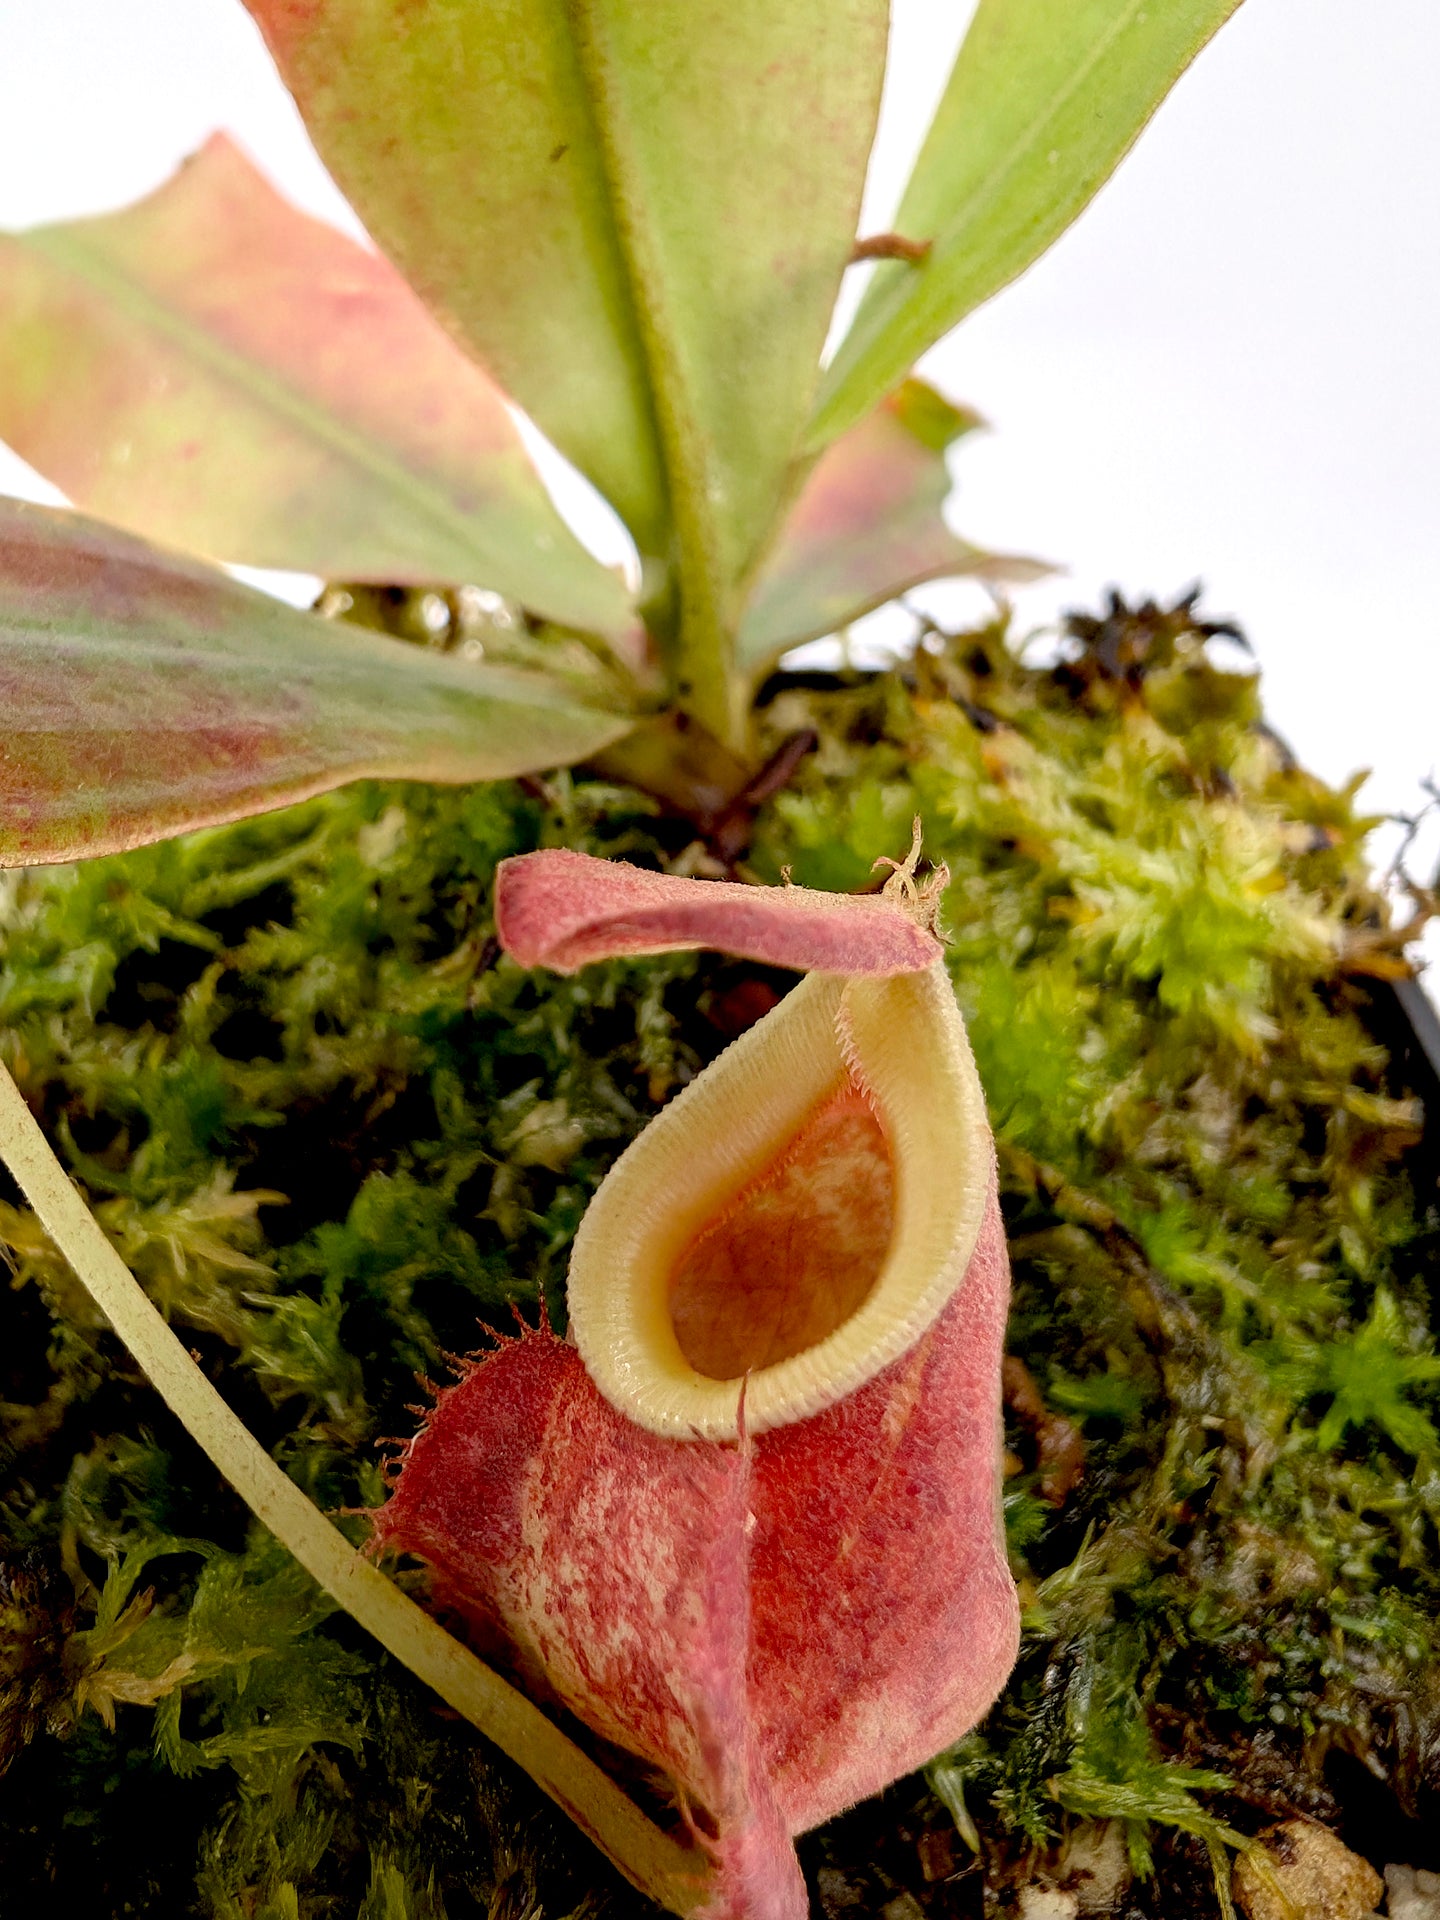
[338, 656]
[990, 185]
[695, 527]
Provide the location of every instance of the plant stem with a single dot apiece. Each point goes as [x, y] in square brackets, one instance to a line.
[703, 673]
[659, 1866]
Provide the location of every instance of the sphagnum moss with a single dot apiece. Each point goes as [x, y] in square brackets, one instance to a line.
[330, 1131]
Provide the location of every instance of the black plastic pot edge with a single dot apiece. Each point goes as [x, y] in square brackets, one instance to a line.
[1406, 1022]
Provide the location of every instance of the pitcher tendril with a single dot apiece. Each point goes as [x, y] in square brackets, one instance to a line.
[921, 899]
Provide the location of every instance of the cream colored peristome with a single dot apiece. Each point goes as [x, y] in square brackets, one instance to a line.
[904, 1041]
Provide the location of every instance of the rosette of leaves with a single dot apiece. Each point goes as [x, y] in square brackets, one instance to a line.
[632, 221]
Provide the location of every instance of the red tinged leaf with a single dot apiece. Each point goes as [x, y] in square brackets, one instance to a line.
[562, 910]
[636, 215]
[143, 694]
[215, 370]
[868, 525]
[464, 138]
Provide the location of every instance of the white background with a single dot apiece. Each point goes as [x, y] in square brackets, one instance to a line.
[1225, 371]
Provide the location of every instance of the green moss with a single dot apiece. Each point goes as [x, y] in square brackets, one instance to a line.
[331, 1131]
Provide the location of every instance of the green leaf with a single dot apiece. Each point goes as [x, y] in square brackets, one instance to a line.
[638, 217]
[144, 694]
[868, 525]
[1046, 98]
[215, 370]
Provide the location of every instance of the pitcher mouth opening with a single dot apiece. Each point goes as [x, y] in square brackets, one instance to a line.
[797, 1252]
[794, 1220]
